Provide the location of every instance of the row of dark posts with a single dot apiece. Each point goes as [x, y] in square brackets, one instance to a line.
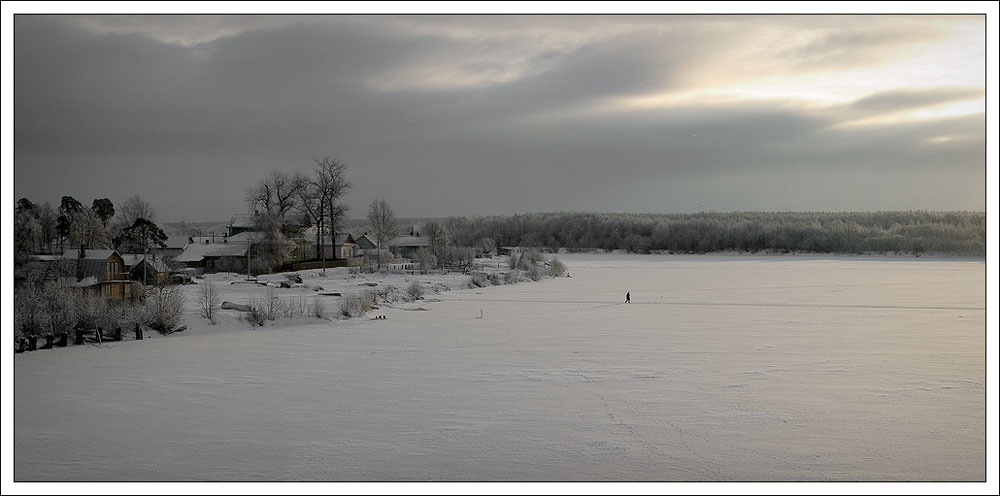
[30, 343]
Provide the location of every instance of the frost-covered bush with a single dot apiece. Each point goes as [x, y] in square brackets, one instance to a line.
[514, 260]
[317, 309]
[533, 272]
[91, 308]
[557, 268]
[479, 280]
[30, 310]
[165, 307]
[529, 259]
[357, 305]
[271, 305]
[512, 276]
[60, 307]
[124, 315]
[415, 290]
[209, 300]
[294, 307]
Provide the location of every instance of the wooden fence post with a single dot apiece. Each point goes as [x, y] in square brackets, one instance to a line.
[32, 343]
[79, 336]
[63, 336]
[118, 333]
[48, 342]
[100, 337]
[138, 333]
[21, 344]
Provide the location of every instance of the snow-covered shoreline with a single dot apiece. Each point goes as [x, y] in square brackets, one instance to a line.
[727, 369]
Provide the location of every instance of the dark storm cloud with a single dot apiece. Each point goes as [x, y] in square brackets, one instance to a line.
[444, 116]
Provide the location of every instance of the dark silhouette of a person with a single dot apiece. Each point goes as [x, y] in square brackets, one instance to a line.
[628, 297]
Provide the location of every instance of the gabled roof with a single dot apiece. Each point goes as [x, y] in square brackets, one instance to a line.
[198, 252]
[91, 270]
[364, 242]
[179, 241]
[410, 241]
[133, 260]
[89, 254]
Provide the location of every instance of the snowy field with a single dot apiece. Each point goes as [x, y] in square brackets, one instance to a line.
[722, 368]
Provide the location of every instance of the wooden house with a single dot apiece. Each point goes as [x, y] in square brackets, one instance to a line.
[101, 271]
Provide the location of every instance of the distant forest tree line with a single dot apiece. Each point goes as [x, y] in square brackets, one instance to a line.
[913, 232]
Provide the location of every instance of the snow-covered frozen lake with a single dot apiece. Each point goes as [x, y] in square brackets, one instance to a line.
[722, 368]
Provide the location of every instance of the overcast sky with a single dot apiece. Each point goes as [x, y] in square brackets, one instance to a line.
[480, 115]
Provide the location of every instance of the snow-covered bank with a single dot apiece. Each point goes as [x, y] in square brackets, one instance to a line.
[720, 369]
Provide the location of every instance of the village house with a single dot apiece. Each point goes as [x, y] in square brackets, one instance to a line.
[101, 271]
[174, 246]
[242, 223]
[149, 270]
[220, 253]
[365, 246]
[341, 247]
[407, 245]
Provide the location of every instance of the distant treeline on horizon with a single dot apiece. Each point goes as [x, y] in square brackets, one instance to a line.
[819, 232]
[913, 232]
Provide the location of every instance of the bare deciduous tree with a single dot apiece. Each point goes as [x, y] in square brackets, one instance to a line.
[383, 223]
[87, 229]
[440, 242]
[132, 209]
[210, 300]
[277, 194]
[320, 199]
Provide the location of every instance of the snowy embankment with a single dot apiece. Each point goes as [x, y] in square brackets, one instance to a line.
[721, 369]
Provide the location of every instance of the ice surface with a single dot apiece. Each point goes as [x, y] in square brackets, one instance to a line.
[720, 369]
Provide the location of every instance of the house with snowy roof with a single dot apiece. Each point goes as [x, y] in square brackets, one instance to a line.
[101, 271]
[148, 270]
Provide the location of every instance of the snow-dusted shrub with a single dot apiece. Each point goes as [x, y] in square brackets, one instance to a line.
[557, 268]
[514, 260]
[60, 306]
[209, 300]
[30, 310]
[350, 306]
[165, 306]
[255, 316]
[357, 305]
[416, 291]
[124, 315]
[426, 259]
[529, 259]
[91, 308]
[317, 309]
[294, 307]
[271, 305]
[512, 276]
[533, 272]
[479, 280]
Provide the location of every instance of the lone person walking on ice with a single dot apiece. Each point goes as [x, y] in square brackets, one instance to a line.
[627, 297]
